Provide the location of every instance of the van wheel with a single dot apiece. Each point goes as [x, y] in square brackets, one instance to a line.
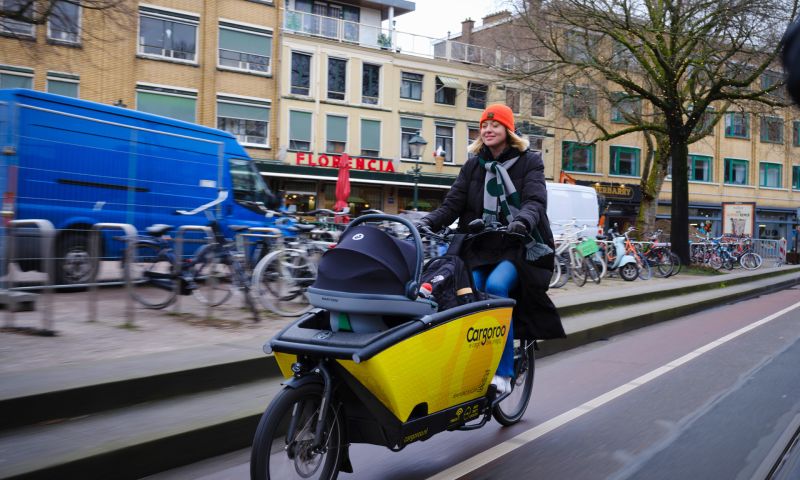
[73, 262]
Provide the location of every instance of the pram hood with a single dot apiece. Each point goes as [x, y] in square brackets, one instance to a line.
[367, 260]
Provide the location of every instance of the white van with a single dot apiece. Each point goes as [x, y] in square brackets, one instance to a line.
[566, 201]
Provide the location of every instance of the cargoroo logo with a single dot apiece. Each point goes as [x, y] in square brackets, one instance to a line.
[483, 335]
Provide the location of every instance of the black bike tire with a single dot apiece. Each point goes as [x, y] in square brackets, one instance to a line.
[137, 284]
[279, 411]
[207, 257]
[524, 361]
[676, 264]
[591, 270]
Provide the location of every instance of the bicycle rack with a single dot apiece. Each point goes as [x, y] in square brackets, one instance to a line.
[94, 253]
[243, 240]
[179, 239]
[47, 234]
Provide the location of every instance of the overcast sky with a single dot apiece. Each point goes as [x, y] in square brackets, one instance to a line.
[434, 18]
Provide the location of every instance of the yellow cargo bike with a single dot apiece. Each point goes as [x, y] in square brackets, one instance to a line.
[375, 363]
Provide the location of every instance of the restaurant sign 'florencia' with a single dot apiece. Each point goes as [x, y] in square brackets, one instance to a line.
[332, 161]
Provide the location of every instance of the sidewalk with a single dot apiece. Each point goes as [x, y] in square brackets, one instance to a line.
[229, 326]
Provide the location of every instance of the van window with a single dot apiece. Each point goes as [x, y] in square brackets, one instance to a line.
[249, 188]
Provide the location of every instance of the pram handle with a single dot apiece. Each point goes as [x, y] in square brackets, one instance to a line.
[412, 287]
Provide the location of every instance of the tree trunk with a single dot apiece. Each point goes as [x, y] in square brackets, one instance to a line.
[679, 229]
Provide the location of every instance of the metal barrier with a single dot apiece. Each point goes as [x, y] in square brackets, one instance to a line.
[94, 253]
[770, 250]
[177, 268]
[47, 235]
[244, 241]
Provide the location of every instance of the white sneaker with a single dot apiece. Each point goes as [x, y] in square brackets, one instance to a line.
[503, 384]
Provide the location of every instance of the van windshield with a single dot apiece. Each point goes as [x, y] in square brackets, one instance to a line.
[249, 189]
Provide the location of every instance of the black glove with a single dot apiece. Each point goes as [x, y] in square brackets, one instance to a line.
[423, 227]
[518, 227]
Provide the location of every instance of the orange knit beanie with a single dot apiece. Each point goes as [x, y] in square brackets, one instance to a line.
[499, 113]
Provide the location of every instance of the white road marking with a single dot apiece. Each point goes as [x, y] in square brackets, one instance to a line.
[481, 459]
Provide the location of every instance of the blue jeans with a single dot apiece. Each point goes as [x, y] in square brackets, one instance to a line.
[500, 280]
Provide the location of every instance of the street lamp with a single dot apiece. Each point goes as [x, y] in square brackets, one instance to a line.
[416, 145]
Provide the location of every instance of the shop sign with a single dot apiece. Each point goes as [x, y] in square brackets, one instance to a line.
[615, 191]
[738, 218]
[332, 161]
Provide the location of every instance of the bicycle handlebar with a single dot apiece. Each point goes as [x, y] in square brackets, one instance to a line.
[221, 197]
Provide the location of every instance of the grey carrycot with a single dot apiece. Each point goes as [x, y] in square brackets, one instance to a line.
[369, 275]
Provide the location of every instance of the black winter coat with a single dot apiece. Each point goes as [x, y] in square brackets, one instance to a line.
[535, 316]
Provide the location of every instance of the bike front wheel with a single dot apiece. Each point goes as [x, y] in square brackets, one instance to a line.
[150, 273]
[511, 409]
[280, 281]
[750, 261]
[283, 447]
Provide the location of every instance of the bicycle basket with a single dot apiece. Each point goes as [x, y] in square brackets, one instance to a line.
[587, 247]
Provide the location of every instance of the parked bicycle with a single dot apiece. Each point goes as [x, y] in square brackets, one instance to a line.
[210, 275]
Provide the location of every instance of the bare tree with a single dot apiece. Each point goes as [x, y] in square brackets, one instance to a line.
[685, 63]
[39, 12]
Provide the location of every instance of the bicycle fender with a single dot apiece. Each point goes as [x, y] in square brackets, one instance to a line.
[297, 382]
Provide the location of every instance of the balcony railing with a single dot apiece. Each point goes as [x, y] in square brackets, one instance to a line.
[372, 36]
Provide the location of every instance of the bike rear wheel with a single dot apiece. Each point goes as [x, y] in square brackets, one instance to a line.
[563, 265]
[213, 278]
[150, 272]
[750, 261]
[511, 409]
[280, 281]
[283, 455]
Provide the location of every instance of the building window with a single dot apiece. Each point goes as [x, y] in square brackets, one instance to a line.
[796, 134]
[17, 27]
[770, 174]
[538, 101]
[168, 102]
[700, 168]
[167, 34]
[408, 128]
[579, 102]
[771, 130]
[577, 157]
[246, 119]
[336, 134]
[624, 108]
[512, 99]
[299, 131]
[370, 138]
[736, 171]
[445, 92]
[64, 22]
[768, 79]
[370, 83]
[444, 139]
[796, 177]
[301, 74]
[737, 125]
[476, 95]
[536, 143]
[245, 48]
[67, 86]
[577, 47]
[411, 86]
[337, 78]
[625, 161]
[14, 80]
[473, 133]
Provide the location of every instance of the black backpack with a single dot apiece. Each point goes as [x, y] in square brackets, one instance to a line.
[450, 279]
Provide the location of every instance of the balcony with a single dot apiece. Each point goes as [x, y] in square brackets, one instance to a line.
[372, 36]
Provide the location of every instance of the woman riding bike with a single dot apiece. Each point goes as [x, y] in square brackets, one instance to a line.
[503, 182]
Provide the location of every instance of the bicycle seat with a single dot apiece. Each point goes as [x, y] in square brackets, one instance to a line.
[238, 228]
[158, 229]
[305, 227]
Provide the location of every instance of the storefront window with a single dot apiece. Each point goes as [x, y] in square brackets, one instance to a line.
[299, 197]
[427, 199]
[773, 225]
[361, 198]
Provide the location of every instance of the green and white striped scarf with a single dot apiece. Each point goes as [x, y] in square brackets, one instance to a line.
[501, 200]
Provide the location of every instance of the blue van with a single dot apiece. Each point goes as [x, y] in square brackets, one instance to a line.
[77, 163]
